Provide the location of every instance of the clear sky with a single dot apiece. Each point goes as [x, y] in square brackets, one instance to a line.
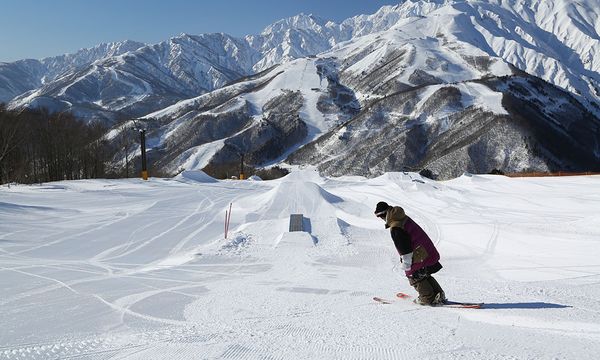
[41, 28]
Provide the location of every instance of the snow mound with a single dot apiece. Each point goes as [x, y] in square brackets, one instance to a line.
[304, 175]
[254, 178]
[196, 176]
[407, 181]
[237, 244]
[305, 198]
[468, 178]
[289, 197]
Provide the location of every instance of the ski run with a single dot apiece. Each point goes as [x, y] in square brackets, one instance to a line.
[126, 269]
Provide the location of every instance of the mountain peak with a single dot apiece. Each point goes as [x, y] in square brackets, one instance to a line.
[556, 40]
[101, 50]
[298, 22]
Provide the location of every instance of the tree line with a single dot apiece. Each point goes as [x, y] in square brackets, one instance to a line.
[39, 146]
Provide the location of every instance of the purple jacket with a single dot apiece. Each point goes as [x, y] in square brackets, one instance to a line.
[424, 252]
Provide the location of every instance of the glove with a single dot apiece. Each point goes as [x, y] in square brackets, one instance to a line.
[406, 260]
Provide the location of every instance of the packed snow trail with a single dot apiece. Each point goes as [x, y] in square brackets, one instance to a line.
[125, 269]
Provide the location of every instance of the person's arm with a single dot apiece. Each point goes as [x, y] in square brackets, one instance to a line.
[401, 241]
[403, 245]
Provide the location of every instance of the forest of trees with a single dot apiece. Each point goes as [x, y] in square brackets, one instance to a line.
[38, 146]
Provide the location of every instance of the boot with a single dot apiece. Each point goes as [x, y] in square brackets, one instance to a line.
[441, 299]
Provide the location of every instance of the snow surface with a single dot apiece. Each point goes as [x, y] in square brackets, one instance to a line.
[125, 269]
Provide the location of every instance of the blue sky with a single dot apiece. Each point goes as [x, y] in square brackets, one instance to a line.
[40, 28]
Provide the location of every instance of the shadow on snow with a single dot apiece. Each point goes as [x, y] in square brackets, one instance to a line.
[526, 305]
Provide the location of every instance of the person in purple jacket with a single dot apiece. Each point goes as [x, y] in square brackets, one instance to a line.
[418, 255]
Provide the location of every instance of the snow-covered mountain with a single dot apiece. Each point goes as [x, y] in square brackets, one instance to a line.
[556, 40]
[414, 95]
[21, 76]
[444, 85]
[513, 123]
[147, 79]
[433, 101]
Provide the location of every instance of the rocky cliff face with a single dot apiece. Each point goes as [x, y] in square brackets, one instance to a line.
[454, 134]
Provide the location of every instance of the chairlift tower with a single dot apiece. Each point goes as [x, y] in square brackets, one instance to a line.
[142, 131]
[242, 176]
[144, 163]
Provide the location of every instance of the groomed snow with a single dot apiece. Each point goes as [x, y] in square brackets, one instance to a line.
[297, 75]
[126, 269]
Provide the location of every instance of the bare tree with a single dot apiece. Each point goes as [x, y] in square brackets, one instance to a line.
[37, 146]
[126, 144]
[11, 137]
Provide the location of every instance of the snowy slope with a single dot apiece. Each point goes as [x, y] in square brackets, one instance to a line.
[124, 269]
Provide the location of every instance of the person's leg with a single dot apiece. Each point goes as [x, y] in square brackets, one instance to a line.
[437, 288]
[425, 290]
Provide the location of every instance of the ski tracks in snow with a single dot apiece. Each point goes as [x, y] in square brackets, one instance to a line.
[137, 297]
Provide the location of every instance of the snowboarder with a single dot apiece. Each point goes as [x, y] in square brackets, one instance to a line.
[418, 255]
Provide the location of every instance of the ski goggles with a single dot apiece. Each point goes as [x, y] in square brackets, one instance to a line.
[381, 214]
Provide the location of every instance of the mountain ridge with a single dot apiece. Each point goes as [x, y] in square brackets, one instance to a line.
[566, 61]
[48, 69]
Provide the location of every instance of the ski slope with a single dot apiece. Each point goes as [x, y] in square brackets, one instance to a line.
[125, 269]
